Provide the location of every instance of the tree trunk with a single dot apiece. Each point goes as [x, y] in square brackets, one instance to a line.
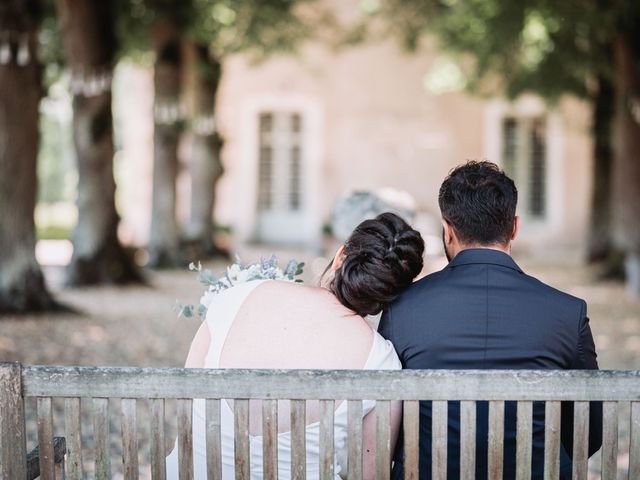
[164, 248]
[626, 172]
[205, 167]
[89, 44]
[22, 286]
[600, 241]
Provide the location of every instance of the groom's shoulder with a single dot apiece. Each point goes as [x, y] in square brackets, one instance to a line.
[444, 283]
[552, 293]
[426, 284]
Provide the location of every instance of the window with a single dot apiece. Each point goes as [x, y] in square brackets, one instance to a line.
[280, 161]
[524, 158]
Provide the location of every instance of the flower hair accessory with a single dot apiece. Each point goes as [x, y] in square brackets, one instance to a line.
[236, 274]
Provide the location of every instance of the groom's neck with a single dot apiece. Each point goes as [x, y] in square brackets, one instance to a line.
[498, 247]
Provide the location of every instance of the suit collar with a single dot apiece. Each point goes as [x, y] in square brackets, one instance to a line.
[484, 256]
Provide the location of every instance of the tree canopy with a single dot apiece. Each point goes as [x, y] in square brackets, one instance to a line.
[547, 47]
[227, 26]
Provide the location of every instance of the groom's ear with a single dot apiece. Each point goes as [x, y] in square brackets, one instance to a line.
[516, 227]
[448, 234]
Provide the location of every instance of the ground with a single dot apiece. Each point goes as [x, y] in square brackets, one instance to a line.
[137, 326]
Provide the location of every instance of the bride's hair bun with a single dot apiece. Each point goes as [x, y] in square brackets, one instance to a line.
[381, 258]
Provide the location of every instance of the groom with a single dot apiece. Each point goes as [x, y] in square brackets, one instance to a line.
[483, 312]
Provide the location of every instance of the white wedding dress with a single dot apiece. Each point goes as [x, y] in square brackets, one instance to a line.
[220, 317]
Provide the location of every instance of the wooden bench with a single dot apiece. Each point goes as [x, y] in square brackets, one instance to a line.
[133, 387]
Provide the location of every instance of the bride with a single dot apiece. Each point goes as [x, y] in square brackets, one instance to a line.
[282, 325]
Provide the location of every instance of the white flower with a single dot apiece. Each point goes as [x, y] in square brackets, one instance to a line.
[207, 298]
[233, 271]
[242, 276]
[266, 269]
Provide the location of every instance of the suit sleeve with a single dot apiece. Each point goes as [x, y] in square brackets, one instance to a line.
[384, 327]
[585, 359]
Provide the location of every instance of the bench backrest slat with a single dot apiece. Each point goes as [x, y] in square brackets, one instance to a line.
[467, 440]
[185, 444]
[496, 439]
[214, 445]
[439, 440]
[411, 428]
[101, 436]
[270, 439]
[74, 441]
[634, 446]
[523, 440]
[383, 435]
[580, 438]
[45, 438]
[327, 466]
[128, 408]
[157, 439]
[609, 440]
[354, 439]
[552, 440]
[241, 434]
[298, 447]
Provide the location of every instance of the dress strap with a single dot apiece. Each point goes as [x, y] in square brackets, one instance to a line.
[220, 316]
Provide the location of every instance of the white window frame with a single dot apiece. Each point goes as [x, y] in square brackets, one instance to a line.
[529, 107]
[312, 117]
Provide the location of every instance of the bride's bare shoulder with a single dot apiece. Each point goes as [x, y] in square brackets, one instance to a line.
[299, 292]
[313, 299]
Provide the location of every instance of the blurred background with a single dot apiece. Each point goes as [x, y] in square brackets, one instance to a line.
[137, 136]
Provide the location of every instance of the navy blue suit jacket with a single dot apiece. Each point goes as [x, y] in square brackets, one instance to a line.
[483, 312]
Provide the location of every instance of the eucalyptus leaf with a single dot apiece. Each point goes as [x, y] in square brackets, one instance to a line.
[207, 277]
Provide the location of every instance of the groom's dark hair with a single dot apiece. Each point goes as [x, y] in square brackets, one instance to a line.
[479, 201]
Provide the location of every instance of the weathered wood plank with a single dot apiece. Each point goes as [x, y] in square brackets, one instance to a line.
[467, 440]
[241, 437]
[580, 440]
[214, 445]
[524, 440]
[411, 427]
[129, 438]
[354, 439]
[73, 436]
[310, 384]
[298, 440]
[496, 440]
[14, 452]
[552, 440]
[383, 440]
[634, 443]
[156, 419]
[45, 438]
[101, 438]
[609, 440]
[439, 429]
[270, 439]
[33, 459]
[326, 440]
[184, 412]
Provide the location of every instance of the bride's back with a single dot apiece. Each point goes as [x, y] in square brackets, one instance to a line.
[287, 325]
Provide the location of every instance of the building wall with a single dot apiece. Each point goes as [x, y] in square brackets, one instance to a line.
[376, 125]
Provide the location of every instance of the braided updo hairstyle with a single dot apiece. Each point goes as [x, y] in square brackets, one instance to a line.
[381, 258]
